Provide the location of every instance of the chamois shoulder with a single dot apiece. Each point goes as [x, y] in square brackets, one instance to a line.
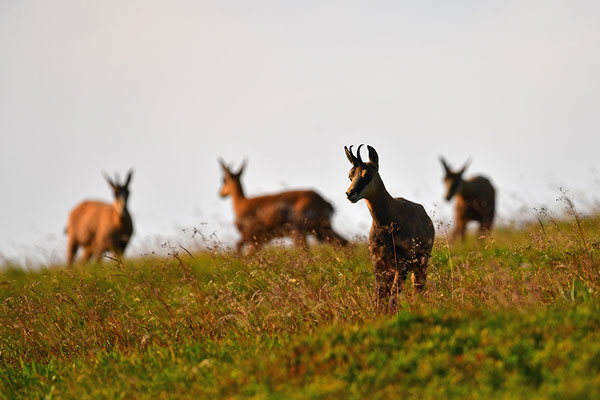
[479, 178]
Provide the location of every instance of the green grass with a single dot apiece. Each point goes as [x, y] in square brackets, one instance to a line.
[514, 316]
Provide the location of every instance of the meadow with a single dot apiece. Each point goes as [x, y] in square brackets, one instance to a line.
[516, 315]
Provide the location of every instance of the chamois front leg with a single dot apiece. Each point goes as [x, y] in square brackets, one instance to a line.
[240, 246]
[327, 234]
[485, 227]
[383, 286]
[87, 254]
[388, 285]
[72, 247]
[419, 276]
[299, 239]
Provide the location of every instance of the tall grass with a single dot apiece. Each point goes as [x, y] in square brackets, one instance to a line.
[59, 313]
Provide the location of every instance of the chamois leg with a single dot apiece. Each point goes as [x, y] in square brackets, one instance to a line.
[485, 227]
[460, 230]
[120, 250]
[419, 276]
[72, 247]
[119, 255]
[299, 239]
[255, 243]
[327, 234]
[240, 246]
[382, 289]
[388, 285]
[398, 278]
[87, 254]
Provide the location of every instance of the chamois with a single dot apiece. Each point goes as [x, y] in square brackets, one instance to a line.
[292, 214]
[402, 233]
[475, 199]
[99, 227]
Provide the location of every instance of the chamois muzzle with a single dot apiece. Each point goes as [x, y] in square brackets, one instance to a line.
[352, 195]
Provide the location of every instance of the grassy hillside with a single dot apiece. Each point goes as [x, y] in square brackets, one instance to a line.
[516, 315]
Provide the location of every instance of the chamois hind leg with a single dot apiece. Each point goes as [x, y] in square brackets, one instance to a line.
[72, 247]
[460, 230]
[327, 234]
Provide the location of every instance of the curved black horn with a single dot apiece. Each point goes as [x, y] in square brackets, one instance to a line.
[129, 176]
[224, 166]
[445, 165]
[360, 161]
[109, 179]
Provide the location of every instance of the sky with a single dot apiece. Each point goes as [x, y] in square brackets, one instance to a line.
[167, 87]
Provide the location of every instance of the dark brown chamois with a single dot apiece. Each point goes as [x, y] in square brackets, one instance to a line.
[99, 227]
[475, 200]
[292, 214]
[402, 233]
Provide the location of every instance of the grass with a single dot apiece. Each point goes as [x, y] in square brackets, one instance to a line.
[512, 316]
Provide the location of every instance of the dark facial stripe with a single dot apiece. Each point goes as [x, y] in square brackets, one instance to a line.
[453, 188]
[362, 183]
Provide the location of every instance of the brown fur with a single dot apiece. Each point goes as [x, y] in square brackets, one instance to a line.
[402, 233]
[99, 227]
[475, 200]
[292, 214]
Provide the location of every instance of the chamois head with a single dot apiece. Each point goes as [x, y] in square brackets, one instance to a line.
[363, 175]
[231, 180]
[120, 190]
[453, 179]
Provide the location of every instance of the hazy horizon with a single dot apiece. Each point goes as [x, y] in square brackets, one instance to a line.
[167, 88]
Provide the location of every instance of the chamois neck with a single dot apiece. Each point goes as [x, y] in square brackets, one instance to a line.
[120, 207]
[238, 197]
[378, 203]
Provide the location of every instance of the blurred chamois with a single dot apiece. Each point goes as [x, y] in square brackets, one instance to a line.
[292, 214]
[99, 227]
[475, 200]
[402, 233]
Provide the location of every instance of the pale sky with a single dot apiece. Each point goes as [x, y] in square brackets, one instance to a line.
[166, 87]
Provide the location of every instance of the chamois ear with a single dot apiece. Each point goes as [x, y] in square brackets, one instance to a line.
[373, 157]
[129, 176]
[445, 165]
[109, 180]
[462, 170]
[349, 155]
